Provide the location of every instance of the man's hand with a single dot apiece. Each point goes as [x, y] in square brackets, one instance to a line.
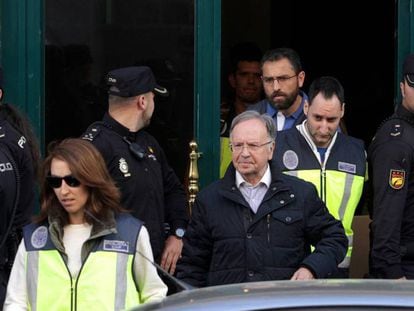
[302, 274]
[171, 253]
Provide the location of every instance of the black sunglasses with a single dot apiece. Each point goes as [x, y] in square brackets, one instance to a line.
[56, 182]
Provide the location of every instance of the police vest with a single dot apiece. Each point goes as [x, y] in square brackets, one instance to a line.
[339, 181]
[104, 282]
[225, 155]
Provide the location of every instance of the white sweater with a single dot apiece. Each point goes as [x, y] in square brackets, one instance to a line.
[150, 285]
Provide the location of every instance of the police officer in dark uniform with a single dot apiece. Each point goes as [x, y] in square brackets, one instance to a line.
[19, 160]
[8, 195]
[149, 186]
[391, 157]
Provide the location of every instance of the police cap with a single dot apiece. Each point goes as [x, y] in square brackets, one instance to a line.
[408, 70]
[133, 81]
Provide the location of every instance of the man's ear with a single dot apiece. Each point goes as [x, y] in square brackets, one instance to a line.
[402, 89]
[301, 78]
[272, 150]
[141, 102]
[343, 110]
[306, 107]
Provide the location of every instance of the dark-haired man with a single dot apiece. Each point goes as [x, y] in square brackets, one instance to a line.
[149, 186]
[316, 152]
[282, 77]
[246, 86]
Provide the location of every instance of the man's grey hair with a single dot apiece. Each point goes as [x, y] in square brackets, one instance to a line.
[250, 115]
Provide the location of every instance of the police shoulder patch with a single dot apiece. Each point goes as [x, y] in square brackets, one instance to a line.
[396, 130]
[39, 237]
[2, 132]
[290, 159]
[92, 132]
[397, 179]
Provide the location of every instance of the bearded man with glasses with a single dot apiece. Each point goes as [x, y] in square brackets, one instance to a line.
[256, 223]
[282, 78]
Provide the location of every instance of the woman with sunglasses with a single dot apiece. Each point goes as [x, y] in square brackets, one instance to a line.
[82, 252]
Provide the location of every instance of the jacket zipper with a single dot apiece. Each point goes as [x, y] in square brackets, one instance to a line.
[323, 185]
[73, 293]
[268, 228]
[72, 290]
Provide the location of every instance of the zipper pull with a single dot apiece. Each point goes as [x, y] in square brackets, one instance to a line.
[268, 228]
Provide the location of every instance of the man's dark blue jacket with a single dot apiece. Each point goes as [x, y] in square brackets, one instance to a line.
[227, 243]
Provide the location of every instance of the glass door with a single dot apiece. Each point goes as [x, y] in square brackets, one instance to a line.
[86, 39]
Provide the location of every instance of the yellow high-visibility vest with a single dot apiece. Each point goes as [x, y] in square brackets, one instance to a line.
[105, 280]
[339, 180]
[225, 155]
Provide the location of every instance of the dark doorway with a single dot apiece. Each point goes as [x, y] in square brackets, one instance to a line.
[86, 39]
[350, 40]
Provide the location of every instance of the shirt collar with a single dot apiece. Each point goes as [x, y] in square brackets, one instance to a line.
[266, 178]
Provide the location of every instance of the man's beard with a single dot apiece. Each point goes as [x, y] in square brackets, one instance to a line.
[286, 103]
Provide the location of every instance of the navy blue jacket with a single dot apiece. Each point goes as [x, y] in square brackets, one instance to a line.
[391, 159]
[227, 243]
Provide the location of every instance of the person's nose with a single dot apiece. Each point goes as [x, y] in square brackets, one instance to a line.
[276, 85]
[64, 188]
[324, 126]
[245, 151]
[251, 78]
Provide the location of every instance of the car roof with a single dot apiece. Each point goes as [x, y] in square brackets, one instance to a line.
[354, 294]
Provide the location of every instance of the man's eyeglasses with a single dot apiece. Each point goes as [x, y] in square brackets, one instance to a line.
[280, 80]
[238, 147]
[56, 182]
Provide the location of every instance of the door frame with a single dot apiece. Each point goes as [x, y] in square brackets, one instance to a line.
[23, 59]
[207, 88]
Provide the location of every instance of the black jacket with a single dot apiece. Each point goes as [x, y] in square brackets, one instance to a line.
[391, 162]
[227, 243]
[149, 186]
[15, 145]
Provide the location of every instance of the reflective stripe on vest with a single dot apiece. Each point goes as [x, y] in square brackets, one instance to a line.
[105, 282]
[343, 192]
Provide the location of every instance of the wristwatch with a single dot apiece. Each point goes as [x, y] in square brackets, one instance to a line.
[179, 233]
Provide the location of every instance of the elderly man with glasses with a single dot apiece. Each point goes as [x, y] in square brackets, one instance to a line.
[256, 223]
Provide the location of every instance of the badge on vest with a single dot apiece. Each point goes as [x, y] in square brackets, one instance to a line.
[151, 155]
[290, 159]
[347, 167]
[397, 179]
[39, 237]
[117, 246]
[123, 167]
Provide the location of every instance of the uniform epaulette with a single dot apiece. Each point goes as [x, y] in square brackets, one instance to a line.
[93, 131]
[2, 132]
[397, 130]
